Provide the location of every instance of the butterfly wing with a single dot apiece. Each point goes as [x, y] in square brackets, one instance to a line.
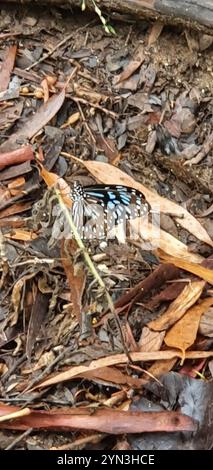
[106, 206]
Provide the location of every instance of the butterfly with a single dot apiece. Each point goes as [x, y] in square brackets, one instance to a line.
[98, 209]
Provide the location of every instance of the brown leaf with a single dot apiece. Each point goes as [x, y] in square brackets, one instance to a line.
[155, 280]
[108, 174]
[133, 65]
[15, 209]
[197, 269]
[76, 278]
[150, 340]
[183, 334]
[51, 179]
[104, 420]
[16, 296]
[22, 235]
[7, 67]
[181, 304]
[111, 375]
[118, 359]
[169, 293]
[41, 117]
[39, 310]
[206, 323]
[108, 146]
[160, 368]
[155, 32]
[20, 155]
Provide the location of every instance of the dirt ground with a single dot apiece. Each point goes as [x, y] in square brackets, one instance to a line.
[141, 101]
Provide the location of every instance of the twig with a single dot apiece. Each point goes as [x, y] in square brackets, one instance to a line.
[18, 439]
[61, 43]
[93, 105]
[85, 122]
[13, 368]
[16, 415]
[81, 442]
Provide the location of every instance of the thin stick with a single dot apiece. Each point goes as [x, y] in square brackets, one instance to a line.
[18, 439]
[16, 415]
[85, 123]
[93, 105]
[61, 43]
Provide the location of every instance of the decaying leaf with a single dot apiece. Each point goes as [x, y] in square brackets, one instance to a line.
[181, 304]
[104, 420]
[133, 65]
[38, 312]
[183, 334]
[16, 296]
[119, 359]
[76, 277]
[197, 269]
[44, 114]
[150, 340]
[7, 67]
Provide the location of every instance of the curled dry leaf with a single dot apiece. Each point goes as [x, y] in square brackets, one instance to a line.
[133, 65]
[103, 420]
[108, 174]
[16, 296]
[20, 155]
[51, 180]
[155, 32]
[183, 334]
[7, 67]
[181, 304]
[118, 359]
[76, 278]
[197, 269]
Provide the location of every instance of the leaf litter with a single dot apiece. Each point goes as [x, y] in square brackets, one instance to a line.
[130, 317]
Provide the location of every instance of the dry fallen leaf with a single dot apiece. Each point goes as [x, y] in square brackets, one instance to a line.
[206, 323]
[7, 67]
[183, 334]
[76, 278]
[118, 359]
[150, 340]
[155, 32]
[16, 296]
[197, 269]
[109, 174]
[105, 420]
[181, 304]
[22, 235]
[39, 119]
[51, 180]
[133, 65]
[161, 367]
